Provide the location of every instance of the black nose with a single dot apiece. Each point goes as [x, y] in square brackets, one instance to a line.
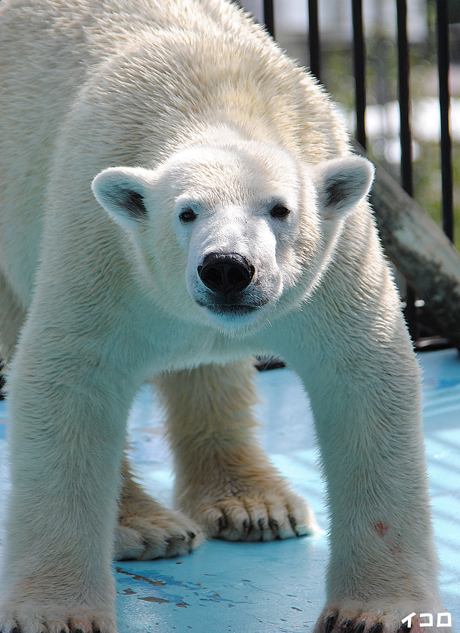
[226, 273]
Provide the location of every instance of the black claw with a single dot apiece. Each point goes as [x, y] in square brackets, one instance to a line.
[246, 527]
[378, 628]
[330, 623]
[360, 627]
[191, 535]
[274, 525]
[261, 524]
[346, 626]
[293, 523]
[78, 631]
[221, 524]
[15, 630]
[404, 628]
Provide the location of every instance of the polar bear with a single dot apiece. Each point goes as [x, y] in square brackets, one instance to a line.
[178, 196]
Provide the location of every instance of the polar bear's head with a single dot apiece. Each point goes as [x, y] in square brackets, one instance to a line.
[228, 232]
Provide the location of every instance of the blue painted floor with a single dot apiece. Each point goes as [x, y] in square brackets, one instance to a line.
[274, 587]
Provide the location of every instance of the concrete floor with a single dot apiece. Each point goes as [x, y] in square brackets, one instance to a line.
[274, 587]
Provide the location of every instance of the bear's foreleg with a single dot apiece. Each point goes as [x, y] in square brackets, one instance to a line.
[224, 480]
[67, 433]
[363, 381]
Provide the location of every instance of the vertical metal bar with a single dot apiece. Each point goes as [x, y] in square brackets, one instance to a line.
[359, 50]
[442, 11]
[269, 17]
[404, 98]
[313, 38]
[405, 137]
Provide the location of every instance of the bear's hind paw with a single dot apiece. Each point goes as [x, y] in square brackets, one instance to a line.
[163, 535]
[258, 518]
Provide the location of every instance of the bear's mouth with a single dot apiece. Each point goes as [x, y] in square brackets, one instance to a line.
[232, 310]
[227, 308]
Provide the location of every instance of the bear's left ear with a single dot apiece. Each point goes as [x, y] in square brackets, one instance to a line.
[121, 191]
[340, 184]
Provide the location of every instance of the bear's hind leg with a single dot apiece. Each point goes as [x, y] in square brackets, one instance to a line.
[224, 480]
[11, 319]
[146, 529]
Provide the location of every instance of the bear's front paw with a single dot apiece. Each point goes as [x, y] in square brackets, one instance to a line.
[351, 616]
[161, 534]
[52, 618]
[255, 511]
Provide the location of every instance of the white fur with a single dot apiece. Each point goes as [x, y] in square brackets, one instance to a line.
[167, 106]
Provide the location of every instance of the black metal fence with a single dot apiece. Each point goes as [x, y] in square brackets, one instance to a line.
[419, 323]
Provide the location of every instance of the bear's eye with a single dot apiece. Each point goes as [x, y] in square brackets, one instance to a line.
[187, 215]
[279, 211]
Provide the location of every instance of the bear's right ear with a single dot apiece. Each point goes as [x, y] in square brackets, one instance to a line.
[121, 191]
